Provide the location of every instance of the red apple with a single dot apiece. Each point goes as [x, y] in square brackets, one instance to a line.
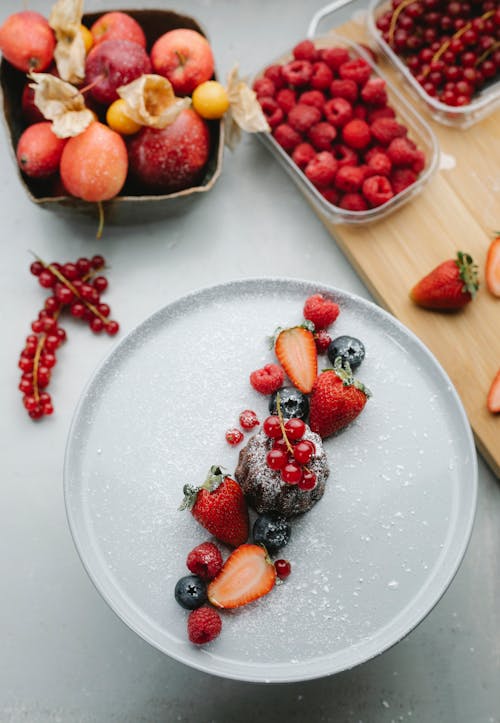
[94, 163]
[112, 64]
[39, 150]
[184, 57]
[173, 158]
[117, 26]
[27, 41]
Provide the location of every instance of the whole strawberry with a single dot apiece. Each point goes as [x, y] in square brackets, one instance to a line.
[220, 506]
[448, 287]
[336, 399]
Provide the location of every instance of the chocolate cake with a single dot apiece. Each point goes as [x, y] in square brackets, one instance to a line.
[263, 487]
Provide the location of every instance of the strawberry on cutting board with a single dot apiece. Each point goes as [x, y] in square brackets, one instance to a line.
[337, 398]
[247, 575]
[493, 400]
[449, 286]
[492, 269]
[220, 506]
[296, 351]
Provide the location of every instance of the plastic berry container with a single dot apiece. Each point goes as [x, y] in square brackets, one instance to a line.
[132, 205]
[464, 116]
[418, 131]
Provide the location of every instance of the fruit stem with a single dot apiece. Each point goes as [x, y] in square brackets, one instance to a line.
[486, 53]
[101, 220]
[36, 359]
[456, 35]
[282, 424]
[395, 16]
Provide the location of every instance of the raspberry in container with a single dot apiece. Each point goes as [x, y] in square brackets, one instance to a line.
[448, 54]
[352, 144]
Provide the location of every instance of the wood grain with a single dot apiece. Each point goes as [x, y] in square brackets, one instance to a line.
[457, 210]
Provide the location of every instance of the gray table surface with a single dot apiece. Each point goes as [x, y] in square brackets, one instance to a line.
[64, 656]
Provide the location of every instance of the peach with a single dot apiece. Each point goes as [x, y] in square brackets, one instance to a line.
[94, 164]
[184, 57]
[173, 158]
[39, 150]
[27, 41]
[116, 25]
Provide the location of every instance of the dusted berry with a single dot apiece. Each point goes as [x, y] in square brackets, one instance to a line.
[293, 403]
[349, 349]
[322, 340]
[276, 458]
[291, 474]
[303, 451]
[205, 561]
[191, 592]
[283, 569]
[377, 190]
[308, 481]
[272, 427]
[204, 625]
[234, 436]
[268, 379]
[248, 419]
[320, 310]
[295, 428]
[272, 532]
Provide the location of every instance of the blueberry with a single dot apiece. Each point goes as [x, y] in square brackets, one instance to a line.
[348, 348]
[191, 592]
[292, 402]
[273, 532]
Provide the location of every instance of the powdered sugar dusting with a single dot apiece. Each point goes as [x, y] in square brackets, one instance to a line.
[397, 506]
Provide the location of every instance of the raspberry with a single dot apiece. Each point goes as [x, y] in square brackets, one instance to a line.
[377, 190]
[322, 136]
[272, 111]
[360, 112]
[298, 72]
[203, 625]
[401, 152]
[286, 99]
[314, 98]
[330, 194]
[264, 87]
[248, 419]
[380, 163]
[205, 560]
[287, 137]
[418, 164]
[273, 72]
[401, 178]
[305, 50]
[338, 112]
[356, 134]
[303, 116]
[321, 76]
[334, 57]
[321, 311]
[353, 202]
[344, 155]
[384, 130]
[349, 178]
[322, 169]
[268, 379]
[373, 150]
[344, 89]
[302, 154]
[369, 51]
[357, 70]
[368, 171]
[234, 436]
[374, 92]
[385, 112]
[322, 340]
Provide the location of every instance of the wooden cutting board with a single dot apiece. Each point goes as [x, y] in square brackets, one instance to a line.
[457, 210]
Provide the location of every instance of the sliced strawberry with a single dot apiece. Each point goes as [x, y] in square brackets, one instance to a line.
[296, 351]
[493, 401]
[248, 574]
[492, 271]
